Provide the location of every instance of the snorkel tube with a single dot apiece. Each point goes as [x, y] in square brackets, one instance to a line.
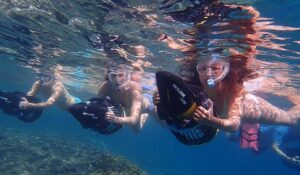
[211, 82]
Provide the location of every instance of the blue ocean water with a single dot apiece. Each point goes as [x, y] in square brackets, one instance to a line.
[77, 35]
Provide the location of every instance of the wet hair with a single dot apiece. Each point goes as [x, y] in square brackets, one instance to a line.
[240, 70]
[188, 71]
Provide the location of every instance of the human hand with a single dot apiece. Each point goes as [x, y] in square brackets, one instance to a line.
[110, 116]
[295, 161]
[24, 104]
[204, 116]
[156, 98]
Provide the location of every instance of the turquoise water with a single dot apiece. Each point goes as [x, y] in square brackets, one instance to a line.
[77, 35]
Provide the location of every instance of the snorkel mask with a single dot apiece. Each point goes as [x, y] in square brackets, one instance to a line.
[46, 78]
[119, 77]
[216, 69]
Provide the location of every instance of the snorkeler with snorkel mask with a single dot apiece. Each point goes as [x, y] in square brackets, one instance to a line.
[124, 90]
[52, 88]
[212, 71]
[119, 77]
[46, 79]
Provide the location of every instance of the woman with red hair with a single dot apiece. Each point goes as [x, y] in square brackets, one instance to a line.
[223, 81]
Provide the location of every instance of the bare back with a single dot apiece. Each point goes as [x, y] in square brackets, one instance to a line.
[256, 109]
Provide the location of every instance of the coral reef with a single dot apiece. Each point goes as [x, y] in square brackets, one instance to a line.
[32, 153]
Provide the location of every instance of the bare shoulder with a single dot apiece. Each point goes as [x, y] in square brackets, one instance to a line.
[103, 89]
[251, 98]
[58, 86]
[135, 86]
[103, 85]
[37, 83]
[255, 103]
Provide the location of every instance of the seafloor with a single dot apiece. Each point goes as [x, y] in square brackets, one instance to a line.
[32, 153]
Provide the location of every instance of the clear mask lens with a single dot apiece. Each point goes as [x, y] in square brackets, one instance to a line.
[45, 78]
[215, 71]
[119, 78]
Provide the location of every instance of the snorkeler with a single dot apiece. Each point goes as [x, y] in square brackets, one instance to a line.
[123, 89]
[225, 89]
[51, 88]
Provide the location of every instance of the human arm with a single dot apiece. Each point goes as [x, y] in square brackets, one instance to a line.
[24, 104]
[135, 112]
[34, 89]
[103, 90]
[251, 109]
[135, 109]
[207, 117]
[135, 105]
